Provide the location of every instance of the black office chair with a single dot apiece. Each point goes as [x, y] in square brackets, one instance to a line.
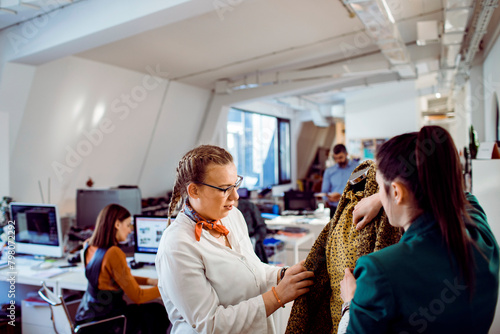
[63, 324]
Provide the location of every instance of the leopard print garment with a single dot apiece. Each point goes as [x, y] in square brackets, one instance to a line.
[338, 246]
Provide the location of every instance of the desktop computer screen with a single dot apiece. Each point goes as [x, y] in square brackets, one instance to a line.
[299, 201]
[38, 229]
[89, 202]
[148, 231]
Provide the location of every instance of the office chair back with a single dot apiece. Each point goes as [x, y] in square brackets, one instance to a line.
[63, 323]
[61, 319]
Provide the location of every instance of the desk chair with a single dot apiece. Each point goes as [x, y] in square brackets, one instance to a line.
[63, 324]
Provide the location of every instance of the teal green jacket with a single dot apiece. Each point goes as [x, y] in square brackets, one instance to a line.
[414, 287]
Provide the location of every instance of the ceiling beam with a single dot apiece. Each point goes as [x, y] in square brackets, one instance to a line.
[67, 31]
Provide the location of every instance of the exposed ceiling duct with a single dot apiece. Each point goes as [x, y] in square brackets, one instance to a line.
[456, 17]
[369, 66]
[381, 30]
[380, 25]
[464, 25]
[320, 113]
[477, 28]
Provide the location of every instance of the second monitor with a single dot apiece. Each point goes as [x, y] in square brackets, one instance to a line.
[148, 231]
[299, 201]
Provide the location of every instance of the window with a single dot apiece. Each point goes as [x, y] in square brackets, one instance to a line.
[260, 145]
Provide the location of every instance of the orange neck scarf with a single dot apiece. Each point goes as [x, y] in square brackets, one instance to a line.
[203, 223]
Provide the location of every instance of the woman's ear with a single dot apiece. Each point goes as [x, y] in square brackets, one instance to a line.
[117, 224]
[399, 192]
[193, 191]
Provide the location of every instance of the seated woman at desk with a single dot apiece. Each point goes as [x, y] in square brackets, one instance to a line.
[210, 279]
[109, 277]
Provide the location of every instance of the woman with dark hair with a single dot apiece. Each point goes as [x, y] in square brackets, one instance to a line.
[210, 279]
[442, 277]
[109, 277]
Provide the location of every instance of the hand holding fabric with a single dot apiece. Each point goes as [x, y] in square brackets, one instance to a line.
[295, 283]
[367, 209]
[347, 285]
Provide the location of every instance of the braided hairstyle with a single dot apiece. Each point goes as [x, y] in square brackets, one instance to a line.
[192, 169]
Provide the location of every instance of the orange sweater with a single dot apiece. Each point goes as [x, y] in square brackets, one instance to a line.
[115, 274]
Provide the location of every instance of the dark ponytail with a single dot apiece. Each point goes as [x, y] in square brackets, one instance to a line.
[428, 164]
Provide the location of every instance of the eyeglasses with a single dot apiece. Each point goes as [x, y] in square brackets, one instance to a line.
[228, 190]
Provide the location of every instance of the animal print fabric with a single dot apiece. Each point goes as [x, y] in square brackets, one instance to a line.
[338, 246]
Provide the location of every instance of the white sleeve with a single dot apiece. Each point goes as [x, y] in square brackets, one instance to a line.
[344, 322]
[182, 282]
[270, 270]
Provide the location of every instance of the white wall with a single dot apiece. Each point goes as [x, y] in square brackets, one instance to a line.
[476, 100]
[14, 92]
[378, 112]
[485, 185]
[4, 155]
[15, 86]
[491, 75]
[85, 119]
[466, 105]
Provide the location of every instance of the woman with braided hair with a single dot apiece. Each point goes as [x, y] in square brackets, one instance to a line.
[210, 279]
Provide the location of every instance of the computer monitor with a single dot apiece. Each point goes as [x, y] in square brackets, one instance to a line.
[299, 200]
[243, 193]
[38, 229]
[148, 231]
[89, 202]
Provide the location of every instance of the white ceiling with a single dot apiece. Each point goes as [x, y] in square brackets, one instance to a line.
[243, 38]
[257, 36]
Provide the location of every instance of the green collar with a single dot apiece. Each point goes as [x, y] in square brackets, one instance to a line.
[423, 224]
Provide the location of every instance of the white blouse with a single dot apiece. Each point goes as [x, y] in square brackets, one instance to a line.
[210, 288]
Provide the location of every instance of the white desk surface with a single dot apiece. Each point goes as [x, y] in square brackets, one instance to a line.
[298, 220]
[72, 278]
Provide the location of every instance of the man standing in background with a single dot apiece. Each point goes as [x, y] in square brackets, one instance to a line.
[335, 177]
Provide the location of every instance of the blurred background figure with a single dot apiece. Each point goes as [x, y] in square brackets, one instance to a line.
[335, 177]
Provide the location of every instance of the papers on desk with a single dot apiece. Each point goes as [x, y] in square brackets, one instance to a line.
[289, 231]
[51, 272]
[294, 232]
[305, 220]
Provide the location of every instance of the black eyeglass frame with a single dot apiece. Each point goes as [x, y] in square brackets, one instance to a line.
[225, 190]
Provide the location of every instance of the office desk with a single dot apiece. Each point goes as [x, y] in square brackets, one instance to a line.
[314, 224]
[36, 316]
[72, 279]
[295, 242]
[298, 248]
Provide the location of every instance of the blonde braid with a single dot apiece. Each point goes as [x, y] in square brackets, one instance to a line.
[174, 201]
[192, 168]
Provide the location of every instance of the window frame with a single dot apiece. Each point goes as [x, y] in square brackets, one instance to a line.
[279, 121]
